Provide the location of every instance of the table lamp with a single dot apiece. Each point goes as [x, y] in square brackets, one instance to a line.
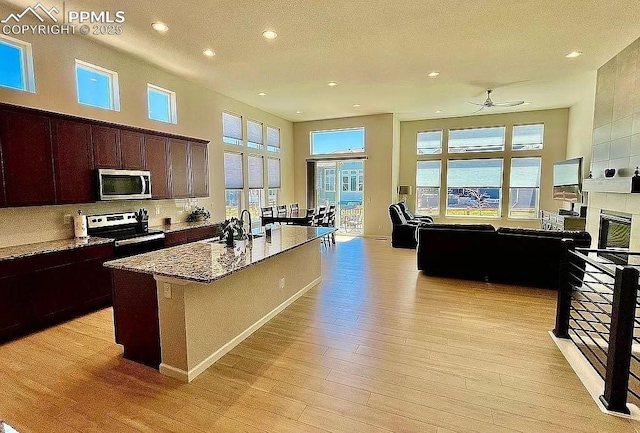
[404, 190]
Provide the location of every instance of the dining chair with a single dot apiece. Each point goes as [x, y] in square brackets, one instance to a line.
[294, 207]
[267, 212]
[282, 210]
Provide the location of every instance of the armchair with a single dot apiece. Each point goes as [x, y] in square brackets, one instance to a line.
[404, 230]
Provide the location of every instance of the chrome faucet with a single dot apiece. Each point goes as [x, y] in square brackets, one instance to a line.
[250, 232]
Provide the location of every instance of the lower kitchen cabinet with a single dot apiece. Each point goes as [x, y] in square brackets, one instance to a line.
[190, 235]
[45, 289]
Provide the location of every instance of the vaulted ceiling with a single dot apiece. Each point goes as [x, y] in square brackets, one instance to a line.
[378, 51]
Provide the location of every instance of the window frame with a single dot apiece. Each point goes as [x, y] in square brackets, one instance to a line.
[114, 86]
[356, 128]
[499, 188]
[511, 188]
[270, 146]
[513, 130]
[439, 187]
[464, 152]
[440, 149]
[227, 139]
[26, 63]
[173, 103]
[255, 144]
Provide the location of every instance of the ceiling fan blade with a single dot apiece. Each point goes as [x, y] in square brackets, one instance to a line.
[477, 103]
[480, 109]
[508, 104]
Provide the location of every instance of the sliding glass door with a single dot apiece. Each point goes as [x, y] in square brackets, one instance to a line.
[341, 183]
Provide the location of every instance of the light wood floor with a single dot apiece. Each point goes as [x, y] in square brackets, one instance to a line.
[377, 347]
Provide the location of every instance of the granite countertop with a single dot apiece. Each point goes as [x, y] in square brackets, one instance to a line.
[19, 251]
[176, 227]
[207, 261]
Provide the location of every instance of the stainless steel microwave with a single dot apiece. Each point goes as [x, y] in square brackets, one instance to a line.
[124, 184]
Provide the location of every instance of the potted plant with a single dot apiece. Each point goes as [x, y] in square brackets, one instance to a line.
[198, 214]
[232, 229]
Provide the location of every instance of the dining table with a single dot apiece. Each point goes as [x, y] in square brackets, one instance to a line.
[294, 217]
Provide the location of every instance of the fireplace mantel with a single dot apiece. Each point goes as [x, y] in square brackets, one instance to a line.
[619, 185]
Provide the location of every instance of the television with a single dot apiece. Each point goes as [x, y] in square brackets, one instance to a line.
[567, 180]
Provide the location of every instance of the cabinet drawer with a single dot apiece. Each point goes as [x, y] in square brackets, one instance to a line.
[201, 233]
[175, 238]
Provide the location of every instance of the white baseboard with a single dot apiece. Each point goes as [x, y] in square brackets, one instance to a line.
[589, 376]
[185, 376]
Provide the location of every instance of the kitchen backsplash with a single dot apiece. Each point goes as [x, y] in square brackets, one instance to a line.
[25, 225]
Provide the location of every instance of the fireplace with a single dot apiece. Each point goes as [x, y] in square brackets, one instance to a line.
[615, 234]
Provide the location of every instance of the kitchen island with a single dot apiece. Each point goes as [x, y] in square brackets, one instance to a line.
[181, 309]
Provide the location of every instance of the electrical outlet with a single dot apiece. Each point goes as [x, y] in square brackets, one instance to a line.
[281, 283]
[67, 220]
[380, 226]
[157, 210]
[167, 290]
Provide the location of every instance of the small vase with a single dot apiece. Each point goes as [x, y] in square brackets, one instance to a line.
[609, 172]
[230, 242]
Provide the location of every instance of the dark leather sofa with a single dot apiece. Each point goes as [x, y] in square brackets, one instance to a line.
[526, 257]
[404, 224]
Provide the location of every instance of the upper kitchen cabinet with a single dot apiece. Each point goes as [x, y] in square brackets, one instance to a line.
[157, 162]
[179, 168]
[27, 158]
[106, 146]
[73, 157]
[199, 170]
[132, 150]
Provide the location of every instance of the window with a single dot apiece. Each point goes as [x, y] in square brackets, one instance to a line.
[97, 87]
[337, 141]
[429, 143]
[254, 134]
[273, 176]
[428, 187]
[528, 137]
[329, 180]
[352, 180]
[162, 104]
[256, 184]
[16, 65]
[477, 140]
[474, 187]
[273, 139]
[524, 187]
[233, 183]
[231, 129]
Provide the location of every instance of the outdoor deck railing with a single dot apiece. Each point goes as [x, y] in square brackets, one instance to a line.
[596, 309]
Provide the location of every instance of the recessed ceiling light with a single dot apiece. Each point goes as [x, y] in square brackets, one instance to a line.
[573, 54]
[160, 26]
[209, 52]
[298, 112]
[438, 111]
[433, 74]
[262, 94]
[332, 84]
[357, 105]
[269, 34]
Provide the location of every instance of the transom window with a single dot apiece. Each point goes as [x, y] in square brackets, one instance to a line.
[273, 139]
[477, 140]
[428, 187]
[16, 65]
[231, 129]
[97, 87]
[337, 141]
[429, 142]
[474, 188]
[254, 134]
[528, 137]
[162, 104]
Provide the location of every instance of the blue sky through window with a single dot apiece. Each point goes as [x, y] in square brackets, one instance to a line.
[340, 141]
[11, 66]
[159, 105]
[94, 88]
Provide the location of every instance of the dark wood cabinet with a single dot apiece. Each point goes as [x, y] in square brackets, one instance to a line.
[54, 294]
[179, 168]
[73, 156]
[3, 198]
[200, 233]
[106, 146]
[27, 159]
[157, 162]
[175, 238]
[15, 310]
[199, 170]
[132, 150]
[93, 279]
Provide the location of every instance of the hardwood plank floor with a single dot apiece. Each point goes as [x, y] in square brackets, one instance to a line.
[376, 347]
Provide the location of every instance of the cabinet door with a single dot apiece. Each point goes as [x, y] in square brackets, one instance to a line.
[175, 238]
[3, 199]
[156, 152]
[132, 150]
[106, 146]
[200, 233]
[54, 294]
[179, 169]
[15, 315]
[73, 156]
[27, 159]
[93, 279]
[199, 170]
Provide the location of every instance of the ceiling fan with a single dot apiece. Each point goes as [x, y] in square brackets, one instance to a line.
[488, 103]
